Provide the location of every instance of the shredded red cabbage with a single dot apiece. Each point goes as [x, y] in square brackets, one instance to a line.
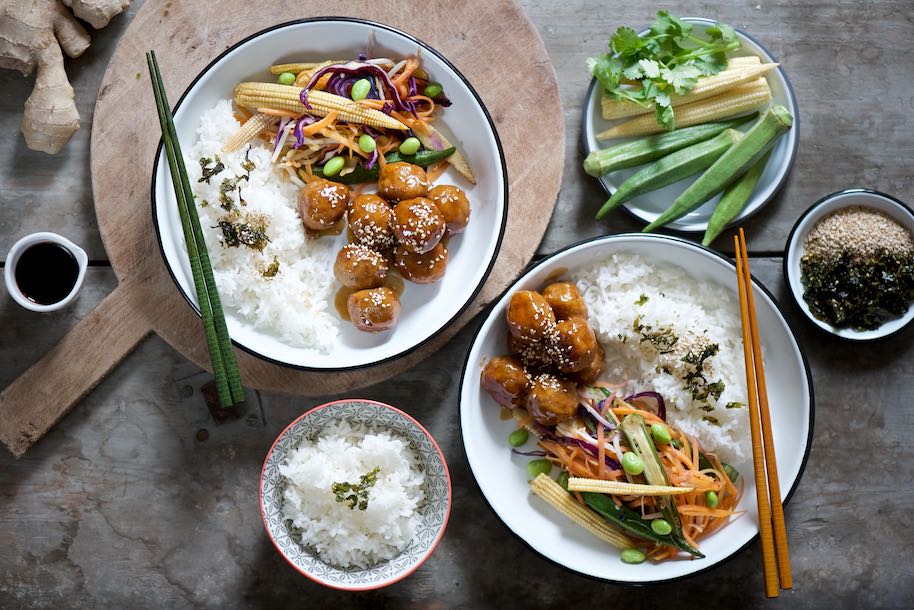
[649, 401]
[589, 448]
[282, 125]
[361, 69]
[305, 119]
[372, 159]
[538, 453]
[411, 87]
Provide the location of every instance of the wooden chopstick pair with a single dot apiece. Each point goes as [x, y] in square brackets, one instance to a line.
[775, 556]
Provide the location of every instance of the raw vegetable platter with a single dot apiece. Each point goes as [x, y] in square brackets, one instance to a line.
[503, 478]
[649, 206]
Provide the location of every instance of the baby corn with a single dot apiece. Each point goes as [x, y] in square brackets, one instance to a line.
[250, 130]
[287, 98]
[737, 100]
[621, 488]
[706, 87]
[550, 491]
[304, 67]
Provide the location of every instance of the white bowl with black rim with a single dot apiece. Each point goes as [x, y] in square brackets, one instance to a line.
[649, 206]
[426, 309]
[502, 476]
[793, 253]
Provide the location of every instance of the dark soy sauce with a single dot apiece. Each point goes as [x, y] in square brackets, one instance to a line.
[46, 273]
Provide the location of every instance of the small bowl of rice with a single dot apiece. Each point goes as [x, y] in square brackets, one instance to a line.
[355, 494]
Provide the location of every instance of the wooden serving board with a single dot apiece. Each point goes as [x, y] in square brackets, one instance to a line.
[492, 43]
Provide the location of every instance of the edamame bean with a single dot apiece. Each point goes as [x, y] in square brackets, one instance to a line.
[360, 89]
[286, 78]
[432, 90]
[518, 437]
[334, 166]
[631, 463]
[711, 499]
[661, 434]
[366, 143]
[661, 527]
[632, 556]
[410, 146]
[537, 467]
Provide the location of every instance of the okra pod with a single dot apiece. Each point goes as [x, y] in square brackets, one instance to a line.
[423, 158]
[650, 148]
[672, 168]
[733, 164]
[734, 200]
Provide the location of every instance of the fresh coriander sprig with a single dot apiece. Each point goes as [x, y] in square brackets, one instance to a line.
[668, 59]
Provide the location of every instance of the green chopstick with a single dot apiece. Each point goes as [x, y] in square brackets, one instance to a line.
[225, 367]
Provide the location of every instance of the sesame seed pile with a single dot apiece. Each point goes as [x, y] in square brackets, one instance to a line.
[863, 233]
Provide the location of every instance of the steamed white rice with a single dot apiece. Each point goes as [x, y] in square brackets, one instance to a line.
[348, 537]
[296, 304]
[636, 308]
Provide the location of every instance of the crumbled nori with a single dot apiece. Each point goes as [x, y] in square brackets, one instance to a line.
[861, 295]
[244, 230]
[209, 172]
[356, 494]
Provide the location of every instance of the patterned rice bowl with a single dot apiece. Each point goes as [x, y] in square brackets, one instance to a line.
[434, 511]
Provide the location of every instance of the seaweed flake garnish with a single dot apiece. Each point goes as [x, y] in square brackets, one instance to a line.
[207, 171]
[272, 269]
[662, 339]
[244, 230]
[356, 494]
[711, 420]
[695, 381]
[247, 165]
[735, 405]
[642, 300]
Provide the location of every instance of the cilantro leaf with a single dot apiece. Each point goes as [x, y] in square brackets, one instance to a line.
[664, 116]
[626, 41]
[606, 69]
[632, 71]
[649, 67]
[711, 64]
[722, 32]
[682, 78]
[667, 25]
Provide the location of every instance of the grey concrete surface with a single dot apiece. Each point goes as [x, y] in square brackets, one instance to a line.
[121, 505]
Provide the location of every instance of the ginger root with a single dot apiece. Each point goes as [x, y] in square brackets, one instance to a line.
[32, 34]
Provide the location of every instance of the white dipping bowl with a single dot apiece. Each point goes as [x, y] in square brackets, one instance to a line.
[12, 259]
[861, 197]
[649, 206]
[427, 309]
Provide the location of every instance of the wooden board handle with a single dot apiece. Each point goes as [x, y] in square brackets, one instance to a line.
[43, 394]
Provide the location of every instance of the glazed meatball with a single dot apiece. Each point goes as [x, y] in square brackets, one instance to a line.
[551, 400]
[575, 344]
[322, 204]
[453, 204]
[418, 224]
[565, 300]
[529, 315]
[399, 181]
[506, 380]
[374, 310]
[360, 267]
[369, 219]
[590, 373]
[421, 268]
[537, 356]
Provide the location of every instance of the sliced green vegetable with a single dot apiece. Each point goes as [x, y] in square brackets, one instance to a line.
[563, 479]
[672, 168]
[650, 148]
[734, 200]
[423, 158]
[635, 432]
[731, 165]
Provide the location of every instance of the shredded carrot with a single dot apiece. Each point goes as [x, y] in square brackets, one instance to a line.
[372, 103]
[279, 113]
[313, 128]
[435, 170]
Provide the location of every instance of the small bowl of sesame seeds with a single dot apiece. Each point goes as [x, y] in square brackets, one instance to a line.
[849, 264]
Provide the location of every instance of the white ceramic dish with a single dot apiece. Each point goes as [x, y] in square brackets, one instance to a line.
[649, 206]
[502, 476]
[434, 511]
[794, 252]
[12, 258]
[427, 309]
